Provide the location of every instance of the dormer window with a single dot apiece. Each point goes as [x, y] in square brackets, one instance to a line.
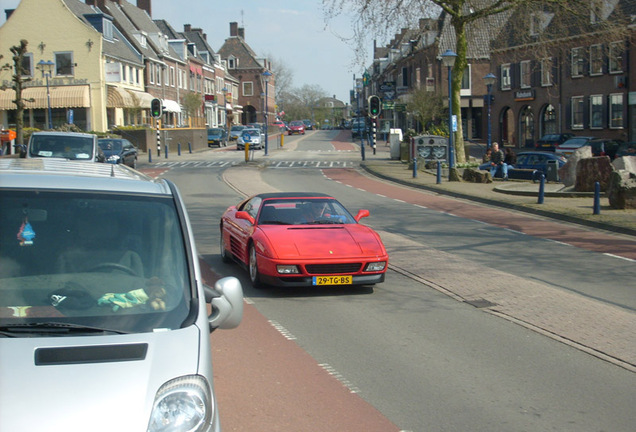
[108, 29]
[232, 62]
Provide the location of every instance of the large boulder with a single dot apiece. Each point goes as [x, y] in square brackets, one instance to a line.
[476, 176]
[567, 173]
[592, 170]
[627, 163]
[622, 190]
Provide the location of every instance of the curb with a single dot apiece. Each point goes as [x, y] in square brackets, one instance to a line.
[503, 204]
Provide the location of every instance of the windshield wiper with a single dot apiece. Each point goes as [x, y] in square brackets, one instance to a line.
[53, 328]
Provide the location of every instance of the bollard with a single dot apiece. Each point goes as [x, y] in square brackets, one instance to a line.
[179, 149]
[149, 156]
[439, 172]
[414, 167]
[597, 198]
[541, 189]
[247, 151]
[165, 150]
[282, 139]
[190, 148]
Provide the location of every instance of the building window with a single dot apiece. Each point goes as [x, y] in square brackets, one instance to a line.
[505, 77]
[596, 60]
[466, 83]
[27, 65]
[107, 29]
[524, 74]
[616, 111]
[131, 75]
[151, 73]
[596, 112]
[546, 72]
[158, 75]
[172, 76]
[64, 64]
[577, 62]
[123, 73]
[577, 112]
[248, 89]
[616, 51]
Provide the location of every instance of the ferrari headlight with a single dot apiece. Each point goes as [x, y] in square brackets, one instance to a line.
[287, 269]
[182, 405]
[375, 266]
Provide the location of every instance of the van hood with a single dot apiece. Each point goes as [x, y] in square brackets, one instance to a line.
[101, 384]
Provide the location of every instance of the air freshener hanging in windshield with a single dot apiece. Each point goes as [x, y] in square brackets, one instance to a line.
[26, 233]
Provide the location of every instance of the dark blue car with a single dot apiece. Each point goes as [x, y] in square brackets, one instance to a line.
[119, 151]
[216, 137]
[530, 160]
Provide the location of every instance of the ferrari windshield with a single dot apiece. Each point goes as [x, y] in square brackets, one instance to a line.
[91, 260]
[303, 211]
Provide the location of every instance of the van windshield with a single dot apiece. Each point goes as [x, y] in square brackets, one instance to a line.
[61, 146]
[91, 260]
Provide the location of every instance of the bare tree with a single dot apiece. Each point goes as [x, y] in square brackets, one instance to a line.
[283, 75]
[18, 78]
[384, 17]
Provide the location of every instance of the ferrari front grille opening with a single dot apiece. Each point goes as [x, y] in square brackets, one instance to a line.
[333, 268]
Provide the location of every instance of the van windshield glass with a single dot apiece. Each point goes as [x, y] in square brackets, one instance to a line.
[93, 260]
[60, 146]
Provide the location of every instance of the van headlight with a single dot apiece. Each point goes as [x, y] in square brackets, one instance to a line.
[184, 404]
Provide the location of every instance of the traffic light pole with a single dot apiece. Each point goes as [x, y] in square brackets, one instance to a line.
[158, 138]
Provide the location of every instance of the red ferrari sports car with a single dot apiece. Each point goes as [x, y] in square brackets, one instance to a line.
[302, 239]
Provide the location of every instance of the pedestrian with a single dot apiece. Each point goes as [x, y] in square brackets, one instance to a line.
[497, 159]
[511, 157]
[486, 157]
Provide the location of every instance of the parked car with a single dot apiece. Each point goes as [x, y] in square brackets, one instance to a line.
[358, 127]
[279, 124]
[296, 127]
[605, 147]
[65, 145]
[571, 145]
[216, 137]
[235, 132]
[100, 288]
[627, 149]
[309, 125]
[549, 142]
[302, 239]
[254, 136]
[119, 151]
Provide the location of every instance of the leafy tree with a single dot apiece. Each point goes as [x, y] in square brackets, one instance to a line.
[383, 17]
[192, 103]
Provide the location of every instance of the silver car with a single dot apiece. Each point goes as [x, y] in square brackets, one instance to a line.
[254, 136]
[103, 309]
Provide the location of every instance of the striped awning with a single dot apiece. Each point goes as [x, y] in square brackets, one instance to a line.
[118, 97]
[61, 97]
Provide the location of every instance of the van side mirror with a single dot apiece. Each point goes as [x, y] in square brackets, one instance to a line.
[226, 300]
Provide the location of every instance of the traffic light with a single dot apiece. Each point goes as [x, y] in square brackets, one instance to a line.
[374, 106]
[156, 108]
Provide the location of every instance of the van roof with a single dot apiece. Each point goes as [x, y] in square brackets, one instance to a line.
[56, 174]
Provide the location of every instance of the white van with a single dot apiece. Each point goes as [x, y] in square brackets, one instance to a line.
[65, 145]
[104, 323]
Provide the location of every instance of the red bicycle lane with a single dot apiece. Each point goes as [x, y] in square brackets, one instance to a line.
[512, 220]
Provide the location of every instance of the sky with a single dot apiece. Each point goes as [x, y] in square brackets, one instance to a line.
[291, 31]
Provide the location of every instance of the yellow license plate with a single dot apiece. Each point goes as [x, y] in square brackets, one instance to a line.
[332, 280]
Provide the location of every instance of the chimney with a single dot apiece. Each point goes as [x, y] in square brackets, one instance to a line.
[98, 3]
[145, 5]
[187, 27]
[241, 32]
[233, 29]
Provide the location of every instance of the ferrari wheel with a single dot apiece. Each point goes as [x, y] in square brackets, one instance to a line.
[253, 268]
[225, 257]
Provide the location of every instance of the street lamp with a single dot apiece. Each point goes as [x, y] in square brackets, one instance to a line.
[266, 76]
[490, 80]
[224, 90]
[46, 67]
[448, 60]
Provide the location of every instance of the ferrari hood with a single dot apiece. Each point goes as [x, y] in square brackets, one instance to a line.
[323, 241]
